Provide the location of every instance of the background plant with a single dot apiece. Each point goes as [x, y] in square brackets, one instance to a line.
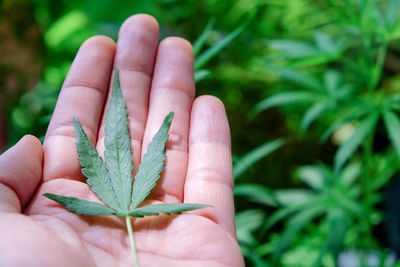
[320, 74]
[337, 79]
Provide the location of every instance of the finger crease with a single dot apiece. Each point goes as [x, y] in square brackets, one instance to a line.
[161, 195]
[210, 175]
[189, 93]
[67, 129]
[90, 87]
[136, 70]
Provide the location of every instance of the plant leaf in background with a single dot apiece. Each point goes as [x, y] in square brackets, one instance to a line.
[295, 225]
[112, 181]
[326, 44]
[69, 31]
[393, 102]
[354, 114]
[392, 124]
[201, 59]
[283, 98]
[337, 224]
[319, 95]
[347, 149]
[311, 176]
[294, 53]
[255, 155]
[248, 221]
[247, 224]
[293, 49]
[312, 114]
[332, 197]
[256, 193]
[201, 40]
[208, 54]
[300, 78]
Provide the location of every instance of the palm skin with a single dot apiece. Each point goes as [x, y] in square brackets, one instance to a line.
[155, 79]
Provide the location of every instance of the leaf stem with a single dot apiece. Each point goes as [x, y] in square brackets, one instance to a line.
[132, 240]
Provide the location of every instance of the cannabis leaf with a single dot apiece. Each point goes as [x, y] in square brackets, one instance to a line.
[118, 154]
[112, 180]
[81, 206]
[94, 168]
[152, 164]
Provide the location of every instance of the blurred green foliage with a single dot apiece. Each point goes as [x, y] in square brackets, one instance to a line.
[312, 94]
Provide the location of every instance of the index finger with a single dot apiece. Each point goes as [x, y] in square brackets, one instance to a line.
[83, 94]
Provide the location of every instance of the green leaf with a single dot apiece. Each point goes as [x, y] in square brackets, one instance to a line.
[118, 154]
[66, 26]
[256, 193]
[392, 124]
[392, 102]
[393, 12]
[294, 49]
[94, 168]
[300, 78]
[207, 55]
[200, 75]
[22, 118]
[247, 222]
[248, 160]
[283, 98]
[315, 60]
[312, 176]
[80, 206]
[284, 212]
[325, 43]
[337, 227]
[152, 164]
[351, 206]
[295, 225]
[200, 41]
[347, 149]
[169, 208]
[294, 197]
[331, 81]
[312, 114]
[349, 174]
[355, 113]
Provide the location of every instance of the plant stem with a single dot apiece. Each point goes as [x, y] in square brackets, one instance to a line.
[132, 240]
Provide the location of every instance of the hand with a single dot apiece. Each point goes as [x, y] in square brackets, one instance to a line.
[155, 80]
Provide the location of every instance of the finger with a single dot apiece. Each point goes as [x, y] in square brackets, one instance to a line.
[83, 95]
[209, 177]
[20, 173]
[172, 90]
[136, 51]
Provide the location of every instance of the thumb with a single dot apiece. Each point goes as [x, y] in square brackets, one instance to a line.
[20, 173]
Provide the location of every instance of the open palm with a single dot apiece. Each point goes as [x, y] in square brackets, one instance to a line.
[155, 79]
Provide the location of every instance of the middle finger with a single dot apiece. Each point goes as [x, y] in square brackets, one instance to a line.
[135, 56]
[172, 90]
